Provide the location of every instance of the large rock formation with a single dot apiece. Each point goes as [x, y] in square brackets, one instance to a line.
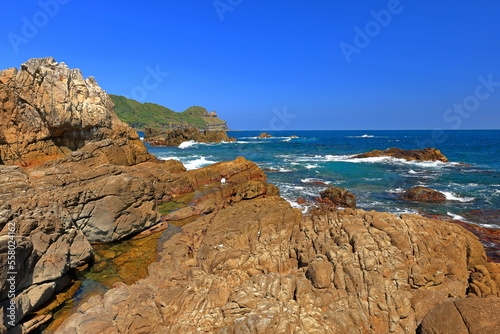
[426, 154]
[99, 183]
[49, 110]
[56, 212]
[160, 137]
[260, 267]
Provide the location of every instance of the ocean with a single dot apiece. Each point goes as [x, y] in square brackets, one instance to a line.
[302, 167]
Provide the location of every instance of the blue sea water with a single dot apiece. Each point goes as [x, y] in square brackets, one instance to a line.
[471, 181]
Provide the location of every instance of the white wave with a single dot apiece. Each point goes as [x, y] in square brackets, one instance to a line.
[288, 139]
[169, 158]
[453, 197]
[311, 166]
[351, 158]
[363, 136]
[284, 170]
[141, 138]
[411, 171]
[398, 211]
[396, 191]
[198, 163]
[369, 179]
[310, 180]
[457, 217]
[187, 144]
[303, 208]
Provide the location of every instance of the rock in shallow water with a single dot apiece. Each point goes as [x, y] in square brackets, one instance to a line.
[426, 154]
[423, 194]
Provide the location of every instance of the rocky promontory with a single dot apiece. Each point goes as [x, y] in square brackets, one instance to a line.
[49, 110]
[171, 138]
[426, 154]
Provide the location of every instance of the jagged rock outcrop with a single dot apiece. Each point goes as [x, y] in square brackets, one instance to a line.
[260, 267]
[426, 154]
[49, 110]
[264, 135]
[423, 194]
[160, 137]
[338, 196]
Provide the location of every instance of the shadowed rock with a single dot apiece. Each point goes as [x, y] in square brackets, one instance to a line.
[423, 194]
[338, 196]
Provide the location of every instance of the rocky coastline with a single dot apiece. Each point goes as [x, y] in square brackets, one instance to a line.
[171, 138]
[73, 175]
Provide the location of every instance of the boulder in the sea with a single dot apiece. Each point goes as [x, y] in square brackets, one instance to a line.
[423, 194]
[265, 135]
[339, 196]
[426, 154]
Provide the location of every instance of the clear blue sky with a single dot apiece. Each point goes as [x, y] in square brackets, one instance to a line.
[279, 64]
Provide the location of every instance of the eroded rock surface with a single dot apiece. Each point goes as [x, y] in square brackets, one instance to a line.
[467, 316]
[260, 267]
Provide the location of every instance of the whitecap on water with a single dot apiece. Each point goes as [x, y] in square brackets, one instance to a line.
[197, 163]
[314, 180]
[187, 144]
[453, 197]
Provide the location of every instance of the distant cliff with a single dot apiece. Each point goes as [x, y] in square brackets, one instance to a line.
[140, 115]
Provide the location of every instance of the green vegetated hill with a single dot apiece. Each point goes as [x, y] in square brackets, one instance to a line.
[140, 115]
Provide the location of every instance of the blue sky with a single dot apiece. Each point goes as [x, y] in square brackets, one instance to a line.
[279, 64]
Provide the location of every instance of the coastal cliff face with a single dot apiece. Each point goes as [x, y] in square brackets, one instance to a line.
[49, 110]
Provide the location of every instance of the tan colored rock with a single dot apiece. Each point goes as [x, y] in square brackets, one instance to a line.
[257, 266]
[467, 316]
